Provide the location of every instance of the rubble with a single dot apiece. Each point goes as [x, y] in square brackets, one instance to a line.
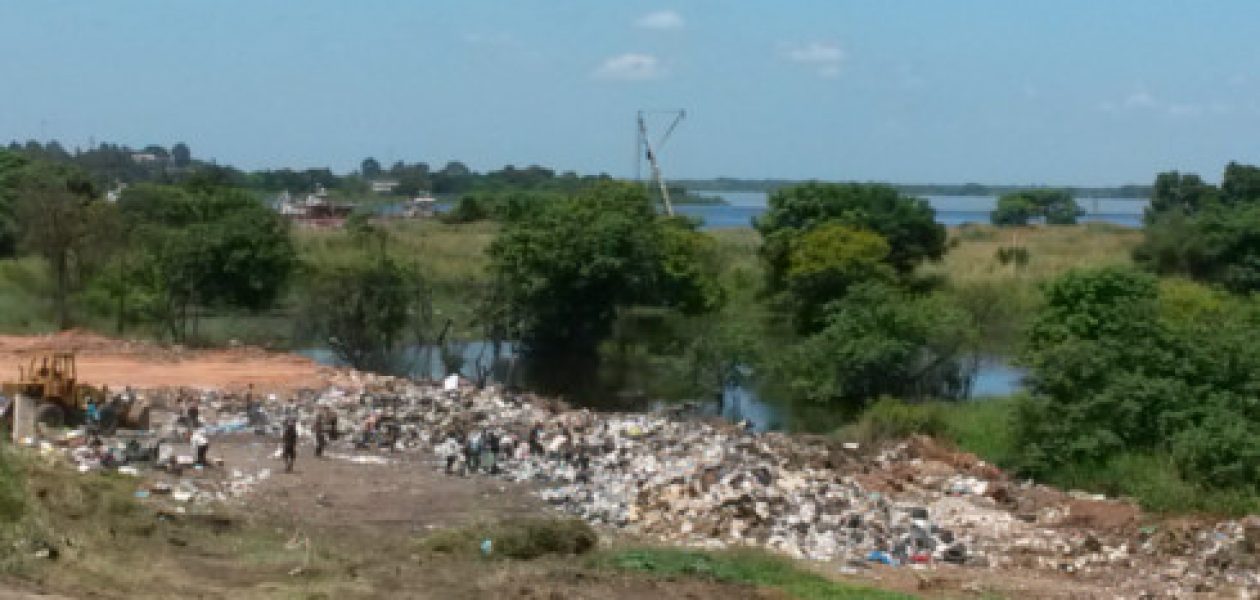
[715, 485]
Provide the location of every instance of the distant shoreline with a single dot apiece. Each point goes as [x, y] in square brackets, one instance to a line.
[725, 184]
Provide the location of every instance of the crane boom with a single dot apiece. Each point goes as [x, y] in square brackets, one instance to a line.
[650, 153]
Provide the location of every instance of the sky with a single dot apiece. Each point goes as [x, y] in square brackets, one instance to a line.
[1056, 92]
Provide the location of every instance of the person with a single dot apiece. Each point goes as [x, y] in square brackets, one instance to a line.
[472, 451]
[201, 443]
[490, 451]
[193, 413]
[321, 433]
[289, 444]
[92, 416]
[535, 439]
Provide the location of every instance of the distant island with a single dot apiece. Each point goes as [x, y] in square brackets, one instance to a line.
[731, 184]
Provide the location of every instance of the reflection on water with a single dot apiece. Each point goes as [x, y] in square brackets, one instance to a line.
[609, 386]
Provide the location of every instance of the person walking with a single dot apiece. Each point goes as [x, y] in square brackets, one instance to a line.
[289, 444]
[201, 443]
[325, 429]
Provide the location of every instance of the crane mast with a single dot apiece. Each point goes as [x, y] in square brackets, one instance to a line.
[649, 150]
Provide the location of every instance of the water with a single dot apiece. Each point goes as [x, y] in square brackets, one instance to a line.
[743, 207]
[738, 402]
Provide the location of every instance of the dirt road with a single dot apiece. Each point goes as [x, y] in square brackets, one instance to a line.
[117, 363]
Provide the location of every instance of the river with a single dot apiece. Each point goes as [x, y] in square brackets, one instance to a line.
[743, 207]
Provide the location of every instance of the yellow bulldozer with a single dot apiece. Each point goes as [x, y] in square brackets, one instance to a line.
[51, 379]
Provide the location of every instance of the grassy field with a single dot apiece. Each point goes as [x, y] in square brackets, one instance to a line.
[973, 249]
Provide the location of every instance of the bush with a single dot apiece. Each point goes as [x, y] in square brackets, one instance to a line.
[1115, 370]
[523, 539]
[877, 341]
[893, 419]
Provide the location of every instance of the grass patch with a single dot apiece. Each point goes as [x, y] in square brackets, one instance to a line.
[748, 567]
[519, 539]
[1154, 480]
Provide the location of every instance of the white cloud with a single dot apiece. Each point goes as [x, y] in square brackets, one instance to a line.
[825, 57]
[661, 20]
[1143, 101]
[631, 66]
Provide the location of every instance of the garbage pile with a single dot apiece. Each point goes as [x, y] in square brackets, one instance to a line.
[718, 485]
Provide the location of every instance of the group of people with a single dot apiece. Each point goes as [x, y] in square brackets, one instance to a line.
[485, 449]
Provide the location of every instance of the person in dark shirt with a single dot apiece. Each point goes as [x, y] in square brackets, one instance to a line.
[289, 444]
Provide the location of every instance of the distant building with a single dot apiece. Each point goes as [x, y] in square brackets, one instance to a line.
[144, 157]
[383, 186]
[420, 207]
[116, 193]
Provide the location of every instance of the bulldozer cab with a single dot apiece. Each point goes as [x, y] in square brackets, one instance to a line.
[54, 375]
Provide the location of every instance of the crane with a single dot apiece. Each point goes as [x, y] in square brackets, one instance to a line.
[646, 148]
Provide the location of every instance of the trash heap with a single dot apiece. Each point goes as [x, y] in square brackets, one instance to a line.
[717, 485]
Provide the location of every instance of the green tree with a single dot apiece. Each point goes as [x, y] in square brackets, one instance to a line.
[564, 270]
[61, 219]
[209, 246]
[370, 168]
[878, 340]
[826, 261]
[1013, 209]
[1185, 193]
[1057, 207]
[1112, 373]
[181, 156]
[363, 308]
[11, 164]
[908, 224]
[1240, 184]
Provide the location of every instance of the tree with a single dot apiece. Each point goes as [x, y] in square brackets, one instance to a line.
[1241, 184]
[1185, 193]
[1208, 234]
[206, 247]
[908, 224]
[878, 340]
[563, 271]
[1115, 370]
[825, 262]
[1057, 207]
[1013, 209]
[60, 219]
[11, 164]
[362, 308]
[181, 156]
[370, 168]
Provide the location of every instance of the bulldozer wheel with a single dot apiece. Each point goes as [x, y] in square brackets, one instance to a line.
[50, 416]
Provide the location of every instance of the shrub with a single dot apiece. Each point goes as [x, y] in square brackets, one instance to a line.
[892, 419]
[523, 539]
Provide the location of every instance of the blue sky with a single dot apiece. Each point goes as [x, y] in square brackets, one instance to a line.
[995, 91]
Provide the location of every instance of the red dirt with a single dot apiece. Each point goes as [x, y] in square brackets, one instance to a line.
[117, 363]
